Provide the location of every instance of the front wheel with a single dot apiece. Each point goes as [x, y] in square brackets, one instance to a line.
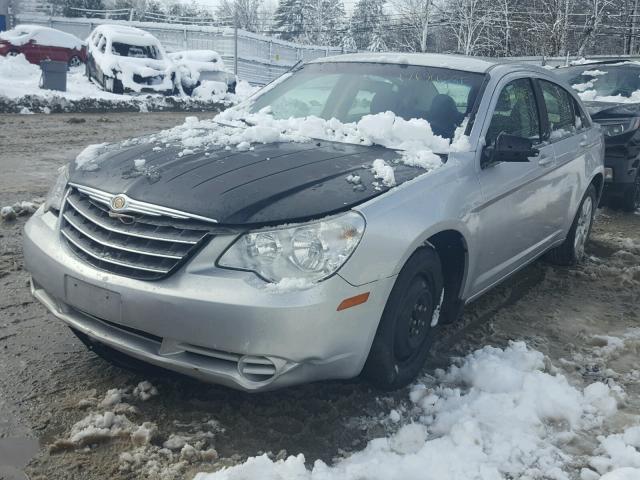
[572, 249]
[406, 329]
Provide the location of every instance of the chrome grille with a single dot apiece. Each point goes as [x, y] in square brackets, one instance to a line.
[150, 248]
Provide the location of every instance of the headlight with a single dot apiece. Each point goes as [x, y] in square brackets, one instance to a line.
[56, 194]
[310, 252]
[618, 128]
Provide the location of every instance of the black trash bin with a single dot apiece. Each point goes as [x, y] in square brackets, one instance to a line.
[54, 75]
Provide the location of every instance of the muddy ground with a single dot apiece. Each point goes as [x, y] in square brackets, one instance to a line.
[45, 372]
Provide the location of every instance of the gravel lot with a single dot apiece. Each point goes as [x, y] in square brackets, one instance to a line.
[45, 372]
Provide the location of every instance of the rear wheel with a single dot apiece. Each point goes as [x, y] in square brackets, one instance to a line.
[75, 61]
[572, 249]
[631, 198]
[406, 329]
[13, 53]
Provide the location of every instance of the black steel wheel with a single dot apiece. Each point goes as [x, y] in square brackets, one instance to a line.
[405, 332]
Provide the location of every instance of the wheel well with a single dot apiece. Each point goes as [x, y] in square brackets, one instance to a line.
[452, 250]
[598, 183]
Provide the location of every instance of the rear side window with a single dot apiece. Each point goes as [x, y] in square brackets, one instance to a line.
[560, 109]
[516, 113]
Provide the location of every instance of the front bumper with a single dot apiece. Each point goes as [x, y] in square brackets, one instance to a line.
[216, 325]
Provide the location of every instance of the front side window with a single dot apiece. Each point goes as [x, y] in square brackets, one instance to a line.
[560, 113]
[349, 91]
[516, 113]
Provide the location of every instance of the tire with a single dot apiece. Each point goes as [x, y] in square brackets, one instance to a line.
[630, 201]
[75, 61]
[405, 332]
[13, 53]
[571, 252]
[113, 85]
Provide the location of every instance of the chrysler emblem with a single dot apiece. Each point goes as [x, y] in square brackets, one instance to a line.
[118, 202]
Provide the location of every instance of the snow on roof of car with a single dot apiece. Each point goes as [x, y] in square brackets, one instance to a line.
[21, 35]
[456, 62]
[129, 35]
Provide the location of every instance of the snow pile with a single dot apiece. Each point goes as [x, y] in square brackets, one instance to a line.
[19, 209]
[618, 457]
[20, 91]
[497, 414]
[149, 452]
[240, 130]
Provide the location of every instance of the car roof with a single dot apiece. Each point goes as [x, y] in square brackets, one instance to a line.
[31, 29]
[454, 62]
[122, 30]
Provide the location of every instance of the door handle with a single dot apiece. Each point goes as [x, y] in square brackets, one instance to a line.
[545, 161]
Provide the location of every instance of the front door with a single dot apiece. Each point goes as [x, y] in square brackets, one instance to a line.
[513, 224]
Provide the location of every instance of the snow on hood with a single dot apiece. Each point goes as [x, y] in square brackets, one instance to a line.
[22, 34]
[497, 414]
[239, 129]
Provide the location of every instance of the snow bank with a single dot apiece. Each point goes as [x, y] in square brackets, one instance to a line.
[497, 414]
[20, 90]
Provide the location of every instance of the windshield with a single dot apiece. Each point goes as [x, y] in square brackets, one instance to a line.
[349, 91]
[135, 51]
[604, 80]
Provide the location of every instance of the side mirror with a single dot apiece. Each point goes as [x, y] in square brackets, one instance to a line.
[509, 148]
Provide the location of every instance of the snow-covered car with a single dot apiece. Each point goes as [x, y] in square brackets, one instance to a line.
[324, 228]
[38, 43]
[127, 59]
[202, 72]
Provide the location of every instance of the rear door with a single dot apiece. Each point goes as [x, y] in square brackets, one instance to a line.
[512, 220]
[574, 140]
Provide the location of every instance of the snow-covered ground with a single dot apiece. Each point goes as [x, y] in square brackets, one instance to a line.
[20, 93]
[495, 414]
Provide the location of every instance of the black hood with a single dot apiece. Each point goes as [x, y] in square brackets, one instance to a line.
[605, 110]
[270, 184]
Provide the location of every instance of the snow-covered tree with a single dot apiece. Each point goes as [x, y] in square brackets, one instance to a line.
[367, 21]
[69, 7]
[244, 14]
[289, 18]
[324, 22]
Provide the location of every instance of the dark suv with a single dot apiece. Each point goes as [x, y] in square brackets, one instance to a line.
[611, 93]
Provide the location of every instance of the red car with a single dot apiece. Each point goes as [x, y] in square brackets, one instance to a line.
[39, 43]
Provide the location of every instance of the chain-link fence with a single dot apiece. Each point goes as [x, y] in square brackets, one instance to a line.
[260, 58]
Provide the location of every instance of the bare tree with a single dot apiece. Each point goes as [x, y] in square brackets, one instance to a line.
[596, 11]
[415, 16]
[469, 20]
